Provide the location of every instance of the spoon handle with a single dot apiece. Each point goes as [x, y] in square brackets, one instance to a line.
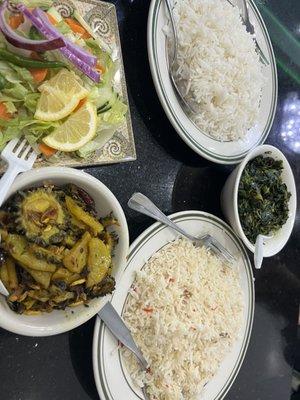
[142, 204]
[259, 251]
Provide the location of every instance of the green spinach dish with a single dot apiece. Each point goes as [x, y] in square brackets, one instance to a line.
[262, 198]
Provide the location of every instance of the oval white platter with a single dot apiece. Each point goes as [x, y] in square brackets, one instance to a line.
[231, 152]
[112, 379]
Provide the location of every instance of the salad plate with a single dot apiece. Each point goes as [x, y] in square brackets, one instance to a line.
[113, 141]
[222, 152]
[111, 375]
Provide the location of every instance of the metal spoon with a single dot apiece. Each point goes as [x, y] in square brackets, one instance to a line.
[171, 63]
[117, 326]
[259, 250]
[142, 204]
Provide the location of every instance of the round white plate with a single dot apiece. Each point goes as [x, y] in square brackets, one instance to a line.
[112, 379]
[220, 152]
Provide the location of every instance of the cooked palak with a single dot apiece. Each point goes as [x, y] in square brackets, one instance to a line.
[262, 197]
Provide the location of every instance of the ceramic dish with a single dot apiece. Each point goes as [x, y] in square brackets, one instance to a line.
[229, 201]
[62, 321]
[112, 379]
[101, 17]
[220, 152]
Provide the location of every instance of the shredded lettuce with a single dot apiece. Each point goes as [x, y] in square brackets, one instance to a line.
[115, 115]
[31, 100]
[108, 123]
[34, 3]
[63, 27]
[10, 107]
[16, 90]
[104, 60]
[9, 73]
[31, 128]
[22, 73]
[103, 136]
[4, 98]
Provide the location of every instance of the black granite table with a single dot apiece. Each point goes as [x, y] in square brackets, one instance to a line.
[60, 367]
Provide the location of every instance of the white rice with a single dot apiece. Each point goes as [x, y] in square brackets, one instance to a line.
[185, 311]
[218, 67]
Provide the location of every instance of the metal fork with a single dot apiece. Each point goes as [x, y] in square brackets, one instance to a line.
[142, 204]
[20, 157]
[171, 63]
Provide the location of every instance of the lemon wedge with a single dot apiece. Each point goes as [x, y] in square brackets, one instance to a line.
[76, 131]
[60, 96]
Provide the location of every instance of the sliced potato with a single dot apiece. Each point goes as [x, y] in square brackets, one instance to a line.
[79, 213]
[63, 274]
[75, 260]
[63, 297]
[99, 260]
[52, 254]
[41, 277]
[17, 247]
[4, 275]
[12, 274]
[40, 295]
[110, 239]
[28, 303]
[78, 224]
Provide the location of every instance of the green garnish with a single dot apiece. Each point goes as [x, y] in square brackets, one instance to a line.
[2, 82]
[26, 62]
[262, 197]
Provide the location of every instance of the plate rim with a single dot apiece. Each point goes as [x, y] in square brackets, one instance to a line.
[100, 328]
[165, 102]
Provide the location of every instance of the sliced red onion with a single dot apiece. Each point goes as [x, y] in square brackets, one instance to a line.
[80, 64]
[24, 43]
[76, 50]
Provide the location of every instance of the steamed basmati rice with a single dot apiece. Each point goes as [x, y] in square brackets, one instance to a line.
[218, 66]
[185, 311]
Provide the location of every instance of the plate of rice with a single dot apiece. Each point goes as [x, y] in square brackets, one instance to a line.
[190, 313]
[219, 70]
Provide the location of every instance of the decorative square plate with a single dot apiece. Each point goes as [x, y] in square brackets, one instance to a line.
[102, 19]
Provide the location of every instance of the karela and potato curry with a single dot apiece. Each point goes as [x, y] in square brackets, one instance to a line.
[54, 251]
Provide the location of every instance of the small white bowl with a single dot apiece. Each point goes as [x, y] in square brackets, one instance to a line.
[59, 321]
[229, 200]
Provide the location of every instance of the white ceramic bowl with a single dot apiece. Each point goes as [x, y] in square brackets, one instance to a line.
[229, 200]
[59, 321]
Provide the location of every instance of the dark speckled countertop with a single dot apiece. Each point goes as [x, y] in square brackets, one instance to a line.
[60, 367]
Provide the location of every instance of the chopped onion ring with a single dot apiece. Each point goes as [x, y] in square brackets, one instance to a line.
[77, 62]
[76, 50]
[25, 43]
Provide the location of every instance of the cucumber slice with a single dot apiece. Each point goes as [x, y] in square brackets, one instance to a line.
[55, 14]
[106, 96]
[104, 109]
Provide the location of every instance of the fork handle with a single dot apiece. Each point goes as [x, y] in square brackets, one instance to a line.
[7, 180]
[142, 204]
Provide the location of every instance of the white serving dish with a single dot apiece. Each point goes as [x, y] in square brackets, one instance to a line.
[231, 152]
[59, 321]
[111, 375]
[229, 201]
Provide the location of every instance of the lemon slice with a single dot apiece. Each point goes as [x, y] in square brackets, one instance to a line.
[76, 131]
[60, 96]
